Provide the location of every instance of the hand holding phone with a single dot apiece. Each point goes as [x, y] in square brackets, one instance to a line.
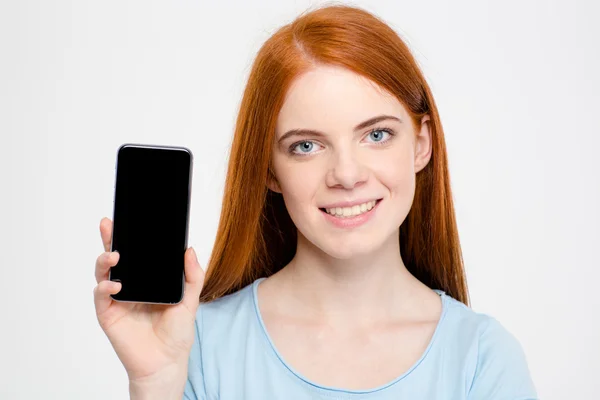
[151, 328]
[149, 339]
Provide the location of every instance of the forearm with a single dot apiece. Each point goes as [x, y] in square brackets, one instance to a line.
[166, 386]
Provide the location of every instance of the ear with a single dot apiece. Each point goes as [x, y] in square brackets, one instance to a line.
[272, 183]
[423, 144]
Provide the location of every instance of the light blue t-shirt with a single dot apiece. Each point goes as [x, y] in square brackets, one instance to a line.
[470, 356]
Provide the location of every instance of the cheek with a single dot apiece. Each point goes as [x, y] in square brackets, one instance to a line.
[299, 181]
[298, 188]
[395, 170]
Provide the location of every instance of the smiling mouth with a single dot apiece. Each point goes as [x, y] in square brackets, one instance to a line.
[349, 212]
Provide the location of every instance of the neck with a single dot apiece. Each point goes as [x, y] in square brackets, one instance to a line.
[366, 288]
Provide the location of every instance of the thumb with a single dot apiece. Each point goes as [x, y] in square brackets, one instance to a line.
[194, 279]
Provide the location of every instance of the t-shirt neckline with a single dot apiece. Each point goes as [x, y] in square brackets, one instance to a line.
[332, 389]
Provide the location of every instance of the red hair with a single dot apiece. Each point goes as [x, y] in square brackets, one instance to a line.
[256, 236]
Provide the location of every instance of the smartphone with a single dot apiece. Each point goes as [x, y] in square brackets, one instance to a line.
[150, 222]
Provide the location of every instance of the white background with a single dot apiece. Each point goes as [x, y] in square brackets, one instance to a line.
[517, 86]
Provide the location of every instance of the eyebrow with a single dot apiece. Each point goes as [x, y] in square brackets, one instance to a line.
[362, 125]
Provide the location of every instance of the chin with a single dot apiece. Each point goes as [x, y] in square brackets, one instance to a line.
[348, 251]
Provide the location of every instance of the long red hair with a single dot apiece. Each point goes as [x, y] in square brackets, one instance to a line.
[256, 236]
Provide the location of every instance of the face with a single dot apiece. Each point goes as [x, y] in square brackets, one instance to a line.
[345, 158]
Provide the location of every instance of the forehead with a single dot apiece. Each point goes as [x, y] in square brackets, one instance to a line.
[329, 98]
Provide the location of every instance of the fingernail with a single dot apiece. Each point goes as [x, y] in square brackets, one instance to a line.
[195, 255]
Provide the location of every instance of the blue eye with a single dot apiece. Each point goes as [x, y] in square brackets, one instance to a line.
[378, 134]
[305, 147]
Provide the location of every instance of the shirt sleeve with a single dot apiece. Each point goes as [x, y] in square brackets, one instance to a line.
[501, 372]
[194, 387]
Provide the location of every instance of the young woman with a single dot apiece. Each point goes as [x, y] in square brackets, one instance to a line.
[337, 270]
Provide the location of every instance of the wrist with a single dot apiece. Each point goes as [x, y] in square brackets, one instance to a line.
[165, 385]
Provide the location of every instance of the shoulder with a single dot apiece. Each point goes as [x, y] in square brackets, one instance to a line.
[226, 313]
[496, 365]
[221, 327]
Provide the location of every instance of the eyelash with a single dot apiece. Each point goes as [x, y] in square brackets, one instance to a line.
[381, 143]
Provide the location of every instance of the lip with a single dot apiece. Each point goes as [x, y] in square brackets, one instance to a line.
[349, 203]
[351, 222]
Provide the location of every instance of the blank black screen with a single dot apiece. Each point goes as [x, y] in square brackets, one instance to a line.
[152, 192]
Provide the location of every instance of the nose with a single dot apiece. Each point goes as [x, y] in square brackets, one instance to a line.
[346, 170]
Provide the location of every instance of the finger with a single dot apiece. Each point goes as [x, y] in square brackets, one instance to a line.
[103, 264]
[106, 226]
[102, 292]
[194, 280]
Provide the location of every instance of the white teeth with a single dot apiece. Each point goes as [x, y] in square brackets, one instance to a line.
[345, 212]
